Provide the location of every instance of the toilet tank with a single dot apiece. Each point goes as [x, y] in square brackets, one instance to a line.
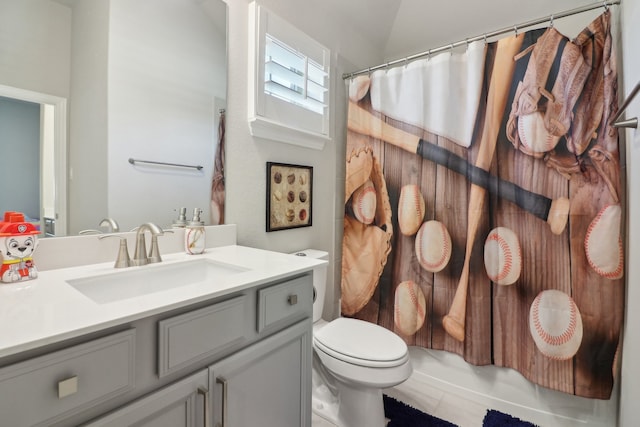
[319, 280]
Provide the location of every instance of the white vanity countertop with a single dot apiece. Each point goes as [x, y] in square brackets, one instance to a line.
[47, 309]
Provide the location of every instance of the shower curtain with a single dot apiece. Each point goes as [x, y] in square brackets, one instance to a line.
[483, 206]
[217, 183]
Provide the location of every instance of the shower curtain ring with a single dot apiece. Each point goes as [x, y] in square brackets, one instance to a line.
[515, 29]
[429, 55]
[551, 22]
[485, 38]
[451, 49]
[606, 6]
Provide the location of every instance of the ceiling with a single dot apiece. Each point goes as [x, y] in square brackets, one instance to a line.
[405, 27]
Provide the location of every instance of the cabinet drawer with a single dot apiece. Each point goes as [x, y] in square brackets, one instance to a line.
[48, 388]
[175, 405]
[287, 300]
[199, 334]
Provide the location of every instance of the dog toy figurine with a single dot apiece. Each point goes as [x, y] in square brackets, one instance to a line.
[18, 241]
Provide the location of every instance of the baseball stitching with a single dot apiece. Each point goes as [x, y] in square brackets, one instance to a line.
[508, 257]
[360, 206]
[416, 200]
[414, 300]
[615, 274]
[548, 141]
[445, 251]
[555, 340]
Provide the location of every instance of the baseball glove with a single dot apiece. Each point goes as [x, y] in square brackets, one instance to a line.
[572, 84]
[554, 79]
[591, 138]
[364, 247]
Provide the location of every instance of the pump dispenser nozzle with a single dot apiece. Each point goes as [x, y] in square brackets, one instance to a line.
[182, 219]
[196, 217]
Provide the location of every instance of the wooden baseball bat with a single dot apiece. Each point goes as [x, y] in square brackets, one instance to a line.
[554, 212]
[503, 66]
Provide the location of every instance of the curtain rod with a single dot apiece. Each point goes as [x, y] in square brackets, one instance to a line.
[484, 37]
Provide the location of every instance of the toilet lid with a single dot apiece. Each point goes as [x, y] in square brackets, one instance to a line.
[366, 342]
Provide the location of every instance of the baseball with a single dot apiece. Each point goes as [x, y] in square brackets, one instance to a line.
[534, 135]
[410, 308]
[411, 209]
[359, 87]
[555, 324]
[433, 246]
[603, 244]
[502, 256]
[364, 202]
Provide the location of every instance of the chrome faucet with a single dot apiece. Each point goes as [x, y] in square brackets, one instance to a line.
[140, 256]
[111, 223]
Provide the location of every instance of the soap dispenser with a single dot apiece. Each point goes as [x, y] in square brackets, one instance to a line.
[194, 234]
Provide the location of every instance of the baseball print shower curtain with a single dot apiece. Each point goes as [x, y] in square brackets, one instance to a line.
[483, 206]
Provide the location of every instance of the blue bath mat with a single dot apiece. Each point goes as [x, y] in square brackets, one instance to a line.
[495, 418]
[402, 415]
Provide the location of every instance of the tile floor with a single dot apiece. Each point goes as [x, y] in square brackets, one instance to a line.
[432, 400]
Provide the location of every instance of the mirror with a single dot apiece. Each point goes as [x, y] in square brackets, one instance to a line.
[116, 80]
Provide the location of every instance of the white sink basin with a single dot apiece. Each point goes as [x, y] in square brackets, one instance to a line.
[139, 281]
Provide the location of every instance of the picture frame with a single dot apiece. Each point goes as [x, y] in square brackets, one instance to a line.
[289, 196]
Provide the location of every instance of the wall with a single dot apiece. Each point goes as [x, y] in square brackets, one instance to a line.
[247, 156]
[36, 48]
[501, 389]
[87, 184]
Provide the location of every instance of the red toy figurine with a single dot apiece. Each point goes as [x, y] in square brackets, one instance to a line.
[18, 241]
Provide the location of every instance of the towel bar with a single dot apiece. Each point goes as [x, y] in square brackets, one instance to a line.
[626, 123]
[134, 161]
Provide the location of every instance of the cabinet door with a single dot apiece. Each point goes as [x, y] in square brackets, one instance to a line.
[180, 404]
[267, 384]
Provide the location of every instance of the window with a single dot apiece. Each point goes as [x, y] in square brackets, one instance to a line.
[290, 78]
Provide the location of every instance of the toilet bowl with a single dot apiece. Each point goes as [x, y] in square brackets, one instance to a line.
[353, 361]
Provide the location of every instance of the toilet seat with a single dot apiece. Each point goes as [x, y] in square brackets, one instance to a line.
[361, 343]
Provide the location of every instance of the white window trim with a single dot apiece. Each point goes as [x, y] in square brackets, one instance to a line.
[268, 127]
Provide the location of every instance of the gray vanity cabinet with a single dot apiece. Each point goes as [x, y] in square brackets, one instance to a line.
[250, 348]
[265, 385]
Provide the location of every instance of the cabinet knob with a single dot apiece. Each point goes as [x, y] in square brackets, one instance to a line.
[292, 299]
[67, 387]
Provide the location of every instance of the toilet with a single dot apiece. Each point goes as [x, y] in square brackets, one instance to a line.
[353, 361]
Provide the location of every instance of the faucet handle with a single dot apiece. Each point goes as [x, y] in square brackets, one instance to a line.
[154, 252]
[89, 231]
[122, 260]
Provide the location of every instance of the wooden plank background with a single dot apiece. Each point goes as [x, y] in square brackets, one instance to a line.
[497, 325]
